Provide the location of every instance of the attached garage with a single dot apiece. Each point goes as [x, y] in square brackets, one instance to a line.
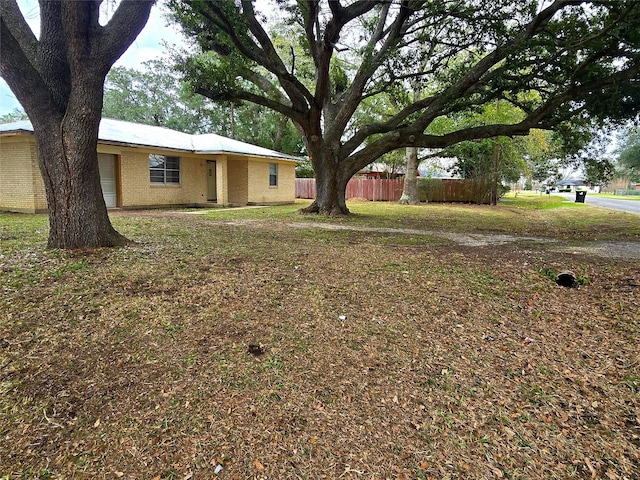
[107, 166]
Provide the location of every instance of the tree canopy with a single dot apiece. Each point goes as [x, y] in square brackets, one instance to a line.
[556, 62]
[153, 96]
[15, 115]
[599, 171]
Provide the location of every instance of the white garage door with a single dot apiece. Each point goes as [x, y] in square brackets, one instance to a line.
[107, 166]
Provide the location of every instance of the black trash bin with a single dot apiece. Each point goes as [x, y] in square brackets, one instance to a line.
[580, 196]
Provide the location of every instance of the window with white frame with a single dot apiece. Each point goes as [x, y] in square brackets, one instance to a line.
[164, 170]
[273, 174]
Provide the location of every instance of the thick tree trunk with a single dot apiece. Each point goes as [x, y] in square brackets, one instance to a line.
[68, 159]
[331, 186]
[410, 188]
[282, 125]
[59, 80]
[77, 212]
[330, 195]
[494, 180]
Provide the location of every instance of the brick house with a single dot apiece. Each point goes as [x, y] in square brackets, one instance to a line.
[144, 166]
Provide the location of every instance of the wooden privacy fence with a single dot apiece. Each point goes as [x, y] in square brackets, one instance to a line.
[373, 189]
[429, 189]
[305, 188]
[477, 190]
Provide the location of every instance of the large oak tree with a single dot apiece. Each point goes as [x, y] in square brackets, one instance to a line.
[554, 60]
[58, 77]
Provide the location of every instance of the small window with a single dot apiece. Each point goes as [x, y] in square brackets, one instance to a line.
[273, 174]
[164, 170]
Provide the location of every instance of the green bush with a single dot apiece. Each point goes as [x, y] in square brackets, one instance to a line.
[429, 187]
[475, 190]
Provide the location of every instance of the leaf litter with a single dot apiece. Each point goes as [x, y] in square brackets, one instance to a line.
[260, 351]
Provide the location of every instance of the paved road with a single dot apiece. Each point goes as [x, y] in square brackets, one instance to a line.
[631, 206]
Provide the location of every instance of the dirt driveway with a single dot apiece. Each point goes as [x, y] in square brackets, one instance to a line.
[605, 249]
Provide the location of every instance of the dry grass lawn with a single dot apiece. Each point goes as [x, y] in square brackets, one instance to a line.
[259, 344]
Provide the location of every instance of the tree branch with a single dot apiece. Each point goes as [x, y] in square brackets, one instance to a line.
[19, 29]
[295, 115]
[25, 81]
[352, 97]
[126, 24]
[539, 118]
[341, 16]
[297, 92]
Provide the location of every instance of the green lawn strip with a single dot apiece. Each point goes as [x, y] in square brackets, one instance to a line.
[635, 197]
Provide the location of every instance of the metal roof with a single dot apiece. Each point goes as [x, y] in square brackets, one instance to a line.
[136, 134]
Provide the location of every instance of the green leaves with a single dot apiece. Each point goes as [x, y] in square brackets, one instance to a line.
[345, 74]
[599, 171]
[156, 97]
[629, 153]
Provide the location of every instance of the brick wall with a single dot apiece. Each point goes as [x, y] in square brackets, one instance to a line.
[137, 190]
[21, 185]
[259, 189]
[238, 179]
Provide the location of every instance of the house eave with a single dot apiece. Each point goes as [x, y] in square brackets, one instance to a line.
[283, 158]
[15, 133]
[115, 143]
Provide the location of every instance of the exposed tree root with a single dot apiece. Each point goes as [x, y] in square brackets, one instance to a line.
[329, 211]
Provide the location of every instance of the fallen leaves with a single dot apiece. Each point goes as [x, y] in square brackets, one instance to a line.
[221, 359]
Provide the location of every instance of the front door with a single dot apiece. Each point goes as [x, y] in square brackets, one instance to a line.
[212, 189]
[107, 167]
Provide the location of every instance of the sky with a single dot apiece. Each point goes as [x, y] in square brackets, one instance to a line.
[148, 46]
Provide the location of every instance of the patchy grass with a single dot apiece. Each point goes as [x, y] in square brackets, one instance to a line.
[525, 214]
[233, 339]
[19, 230]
